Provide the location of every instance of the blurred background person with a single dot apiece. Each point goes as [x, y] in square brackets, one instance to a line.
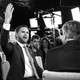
[35, 47]
[35, 43]
[45, 46]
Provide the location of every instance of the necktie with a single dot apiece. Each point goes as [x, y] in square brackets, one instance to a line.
[31, 61]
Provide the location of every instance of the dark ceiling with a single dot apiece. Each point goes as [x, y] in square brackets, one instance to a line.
[41, 4]
[24, 9]
[33, 5]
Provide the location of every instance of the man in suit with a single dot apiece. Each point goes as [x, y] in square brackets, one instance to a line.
[20, 58]
[66, 57]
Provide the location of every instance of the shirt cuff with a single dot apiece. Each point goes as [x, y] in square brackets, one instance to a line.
[6, 26]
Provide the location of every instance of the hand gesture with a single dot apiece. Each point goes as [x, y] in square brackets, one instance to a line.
[8, 13]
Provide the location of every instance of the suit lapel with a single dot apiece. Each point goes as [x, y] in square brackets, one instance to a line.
[20, 52]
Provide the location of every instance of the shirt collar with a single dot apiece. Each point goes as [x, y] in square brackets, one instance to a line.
[21, 44]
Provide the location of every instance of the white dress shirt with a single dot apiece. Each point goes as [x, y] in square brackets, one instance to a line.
[28, 68]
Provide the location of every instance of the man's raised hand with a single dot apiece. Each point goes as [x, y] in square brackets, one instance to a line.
[8, 13]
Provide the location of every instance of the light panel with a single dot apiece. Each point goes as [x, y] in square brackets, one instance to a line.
[76, 14]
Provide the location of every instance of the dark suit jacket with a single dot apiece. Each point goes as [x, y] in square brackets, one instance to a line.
[15, 56]
[64, 58]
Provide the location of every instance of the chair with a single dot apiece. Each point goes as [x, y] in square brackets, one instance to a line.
[52, 75]
[5, 68]
[5, 65]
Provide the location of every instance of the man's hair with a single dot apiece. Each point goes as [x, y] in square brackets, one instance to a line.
[20, 26]
[71, 29]
[35, 37]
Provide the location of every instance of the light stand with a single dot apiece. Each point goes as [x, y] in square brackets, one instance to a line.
[53, 29]
[50, 11]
